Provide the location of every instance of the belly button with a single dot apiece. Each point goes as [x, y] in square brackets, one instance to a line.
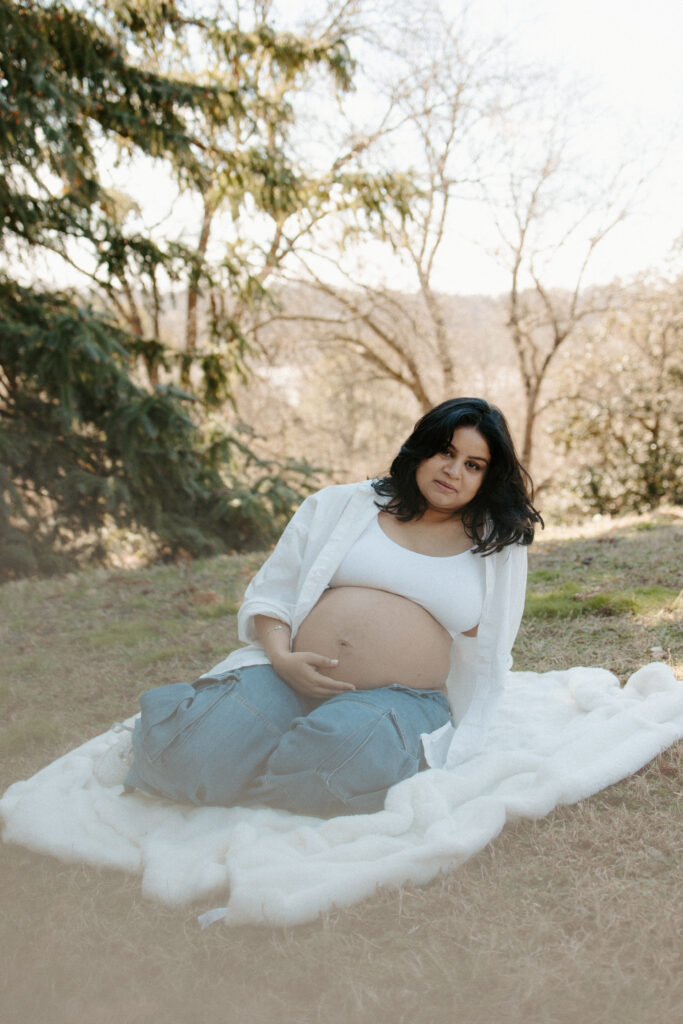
[345, 643]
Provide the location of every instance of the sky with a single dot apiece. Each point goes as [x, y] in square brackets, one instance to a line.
[630, 48]
[628, 55]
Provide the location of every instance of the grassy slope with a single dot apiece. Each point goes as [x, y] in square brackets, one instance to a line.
[576, 917]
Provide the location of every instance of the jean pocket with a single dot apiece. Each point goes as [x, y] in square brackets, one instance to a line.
[169, 711]
[393, 718]
[375, 759]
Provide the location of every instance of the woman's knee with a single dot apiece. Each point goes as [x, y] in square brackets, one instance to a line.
[204, 742]
[340, 759]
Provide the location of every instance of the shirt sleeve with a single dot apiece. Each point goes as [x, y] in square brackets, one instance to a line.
[515, 586]
[273, 590]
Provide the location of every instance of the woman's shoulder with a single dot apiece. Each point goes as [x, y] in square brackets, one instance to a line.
[339, 494]
[331, 501]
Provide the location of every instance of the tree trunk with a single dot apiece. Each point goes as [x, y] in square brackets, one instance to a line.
[530, 422]
[193, 290]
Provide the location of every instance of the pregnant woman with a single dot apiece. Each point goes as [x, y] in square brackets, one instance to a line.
[379, 633]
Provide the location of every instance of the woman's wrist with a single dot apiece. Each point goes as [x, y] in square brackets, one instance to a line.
[275, 637]
[279, 659]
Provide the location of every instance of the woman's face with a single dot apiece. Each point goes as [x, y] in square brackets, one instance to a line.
[450, 479]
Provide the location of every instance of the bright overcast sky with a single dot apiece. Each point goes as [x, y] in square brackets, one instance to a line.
[628, 53]
[630, 49]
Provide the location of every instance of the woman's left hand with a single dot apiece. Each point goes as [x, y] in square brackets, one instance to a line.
[304, 671]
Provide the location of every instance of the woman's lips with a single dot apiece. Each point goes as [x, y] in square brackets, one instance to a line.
[446, 487]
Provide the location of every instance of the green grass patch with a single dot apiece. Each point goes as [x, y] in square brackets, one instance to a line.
[653, 599]
[571, 600]
[23, 665]
[150, 656]
[139, 604]
[217, 611]
[544, 576]
[129, 633]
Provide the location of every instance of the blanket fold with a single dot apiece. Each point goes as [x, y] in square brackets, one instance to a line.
[557, 737]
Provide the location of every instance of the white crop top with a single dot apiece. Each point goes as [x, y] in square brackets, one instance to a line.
[450, 588]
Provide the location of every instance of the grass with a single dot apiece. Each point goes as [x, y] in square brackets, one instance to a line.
[572, 918]
[568, 601]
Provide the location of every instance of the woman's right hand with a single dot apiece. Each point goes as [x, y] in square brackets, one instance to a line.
[304, 671]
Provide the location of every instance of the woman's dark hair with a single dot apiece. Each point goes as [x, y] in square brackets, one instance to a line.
[501, 512]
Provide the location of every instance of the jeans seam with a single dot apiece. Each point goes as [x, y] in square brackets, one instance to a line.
[387, 714]
[329, 776]
[258, 714]
[319, 767]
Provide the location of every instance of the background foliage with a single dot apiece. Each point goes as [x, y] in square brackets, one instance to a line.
[101, 419]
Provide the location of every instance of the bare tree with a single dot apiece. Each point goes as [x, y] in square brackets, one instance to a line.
[617, 419]
[442, 86]
[548, 213]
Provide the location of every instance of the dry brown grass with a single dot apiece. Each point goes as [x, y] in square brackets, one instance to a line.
[573, 918]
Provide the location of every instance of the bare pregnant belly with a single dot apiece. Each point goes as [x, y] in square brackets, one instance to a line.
[378, 637]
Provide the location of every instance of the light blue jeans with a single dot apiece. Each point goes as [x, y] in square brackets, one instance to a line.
[247, 738]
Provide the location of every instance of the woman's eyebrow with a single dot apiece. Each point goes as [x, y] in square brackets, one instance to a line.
[473, 458]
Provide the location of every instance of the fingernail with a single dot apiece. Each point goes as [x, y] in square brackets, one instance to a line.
[334, 661]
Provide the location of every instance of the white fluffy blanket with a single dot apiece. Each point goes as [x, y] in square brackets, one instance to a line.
[558, 737]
